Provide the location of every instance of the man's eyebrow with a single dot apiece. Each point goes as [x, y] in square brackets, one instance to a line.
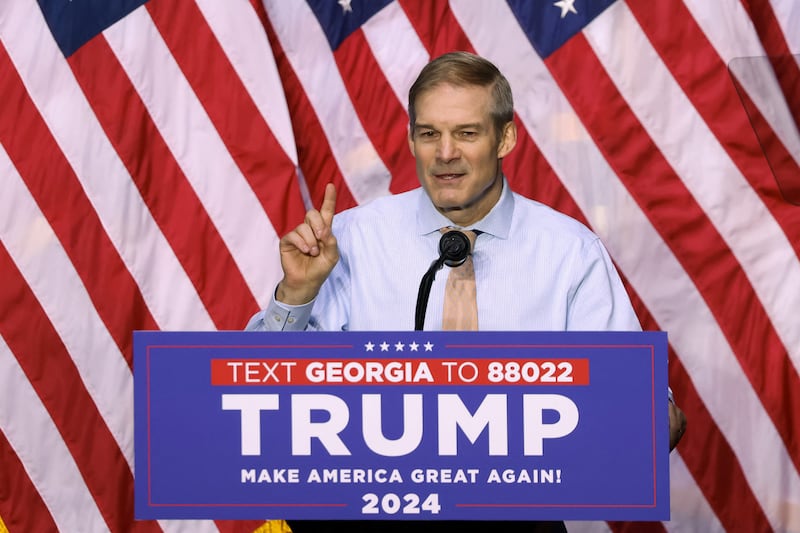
[469, 126]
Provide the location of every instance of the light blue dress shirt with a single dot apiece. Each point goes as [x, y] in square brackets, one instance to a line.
[535, 269]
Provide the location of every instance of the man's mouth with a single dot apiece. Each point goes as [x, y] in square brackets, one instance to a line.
[448, 176]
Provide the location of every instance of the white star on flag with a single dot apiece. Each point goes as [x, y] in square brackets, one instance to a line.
[384, 346]
[428, 346]
[413, 346]
[369, 346]
[347, 8]
[398, 347]
[565, 5]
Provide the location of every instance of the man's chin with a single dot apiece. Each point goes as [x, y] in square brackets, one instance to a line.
[447, 203]
[449, 208]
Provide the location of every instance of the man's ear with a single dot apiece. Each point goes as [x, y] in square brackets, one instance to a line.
[508, 140]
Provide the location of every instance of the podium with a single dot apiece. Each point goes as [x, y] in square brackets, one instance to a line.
[401, 425]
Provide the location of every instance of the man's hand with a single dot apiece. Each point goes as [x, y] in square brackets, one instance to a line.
[308, 254]
[677, 425]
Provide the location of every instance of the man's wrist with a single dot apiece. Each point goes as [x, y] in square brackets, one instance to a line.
[294, 296]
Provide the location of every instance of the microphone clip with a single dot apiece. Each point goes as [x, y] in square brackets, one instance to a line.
[454, 247]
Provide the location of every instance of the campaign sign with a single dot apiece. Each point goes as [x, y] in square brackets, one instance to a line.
[401, 425]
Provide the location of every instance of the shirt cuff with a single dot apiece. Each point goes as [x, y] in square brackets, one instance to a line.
[279, 316]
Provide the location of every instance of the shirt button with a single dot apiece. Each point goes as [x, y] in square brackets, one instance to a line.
[277, 318]
[290, 320]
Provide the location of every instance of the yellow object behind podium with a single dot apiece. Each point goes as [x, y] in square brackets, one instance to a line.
[270, 526]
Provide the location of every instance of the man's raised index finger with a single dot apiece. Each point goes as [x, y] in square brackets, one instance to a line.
[328, 204]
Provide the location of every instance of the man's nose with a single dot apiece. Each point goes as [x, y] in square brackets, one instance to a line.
[448, 149]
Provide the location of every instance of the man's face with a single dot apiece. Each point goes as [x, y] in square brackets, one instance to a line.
[457, 151]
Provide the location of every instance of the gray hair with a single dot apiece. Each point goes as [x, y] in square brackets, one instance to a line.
[463, 69]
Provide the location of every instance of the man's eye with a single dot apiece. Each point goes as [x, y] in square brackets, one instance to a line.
[426, 134]
[468, 134]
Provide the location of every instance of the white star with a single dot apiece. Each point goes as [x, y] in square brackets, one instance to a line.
[428, 346]
[384, 346]
[413, 346]
[369, 346]
[346, 7]
[565, 5]
[398, 347]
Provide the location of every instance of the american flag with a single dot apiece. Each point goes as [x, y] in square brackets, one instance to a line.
[152, 153]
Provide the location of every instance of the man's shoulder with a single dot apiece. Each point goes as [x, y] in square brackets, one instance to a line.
[530, 213]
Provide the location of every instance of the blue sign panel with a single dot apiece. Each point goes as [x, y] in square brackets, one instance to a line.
[401, 425]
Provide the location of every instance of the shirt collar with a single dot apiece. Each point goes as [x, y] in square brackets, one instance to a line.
[497, 222]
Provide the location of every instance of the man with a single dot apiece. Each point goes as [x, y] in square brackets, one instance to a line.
[535, 269]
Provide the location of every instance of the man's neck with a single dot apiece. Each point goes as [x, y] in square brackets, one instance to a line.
[467, 215]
